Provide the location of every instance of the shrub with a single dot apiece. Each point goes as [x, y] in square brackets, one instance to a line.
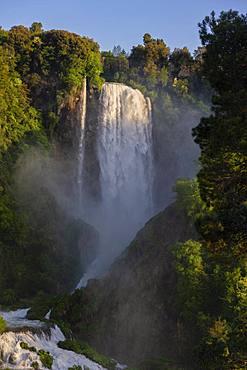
[46, 358]
[3, 325]
[25, 346]
[89, 352]
[35, 365]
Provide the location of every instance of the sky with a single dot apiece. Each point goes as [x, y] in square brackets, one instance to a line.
[119, 22]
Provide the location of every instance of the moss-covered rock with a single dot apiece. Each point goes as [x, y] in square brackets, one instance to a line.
[40, 306]
[25, 346]
[89, 352]
[35, 365]
[3, 325]
[46, 358]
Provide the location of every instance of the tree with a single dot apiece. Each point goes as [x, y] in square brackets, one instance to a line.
[223, 136]
[36, 28]
[222, 182]
[17, 117]
[150, 57]
[180, 62]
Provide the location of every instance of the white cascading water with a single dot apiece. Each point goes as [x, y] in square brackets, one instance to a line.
[12, 356]
[82, 120]
[124, 147]
[125, 157]
[125, 152]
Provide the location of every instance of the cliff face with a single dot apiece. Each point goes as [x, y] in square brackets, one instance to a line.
[138, 309]
[175, 152]
[91, 168]
[68, 135]
[131, 313]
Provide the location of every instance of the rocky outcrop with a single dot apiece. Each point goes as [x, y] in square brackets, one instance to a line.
[68, 136]
[131, 314]
[91, 168]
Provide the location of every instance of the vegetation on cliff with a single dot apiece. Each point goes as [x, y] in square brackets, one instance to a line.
[41, 71]
[209, 306]
[186, 288]
[213, 272]
[52, 64]
[39, 245]
[180, 96]
[86, 350]
[2, 325]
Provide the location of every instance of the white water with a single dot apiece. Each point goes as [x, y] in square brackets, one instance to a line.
[125, 151]
[125, 155]
[15, 319]
[82, 119]
[14, 357]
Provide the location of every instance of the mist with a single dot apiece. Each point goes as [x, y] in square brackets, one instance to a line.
[139, 158]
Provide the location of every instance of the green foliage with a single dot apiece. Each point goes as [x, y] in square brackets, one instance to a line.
[40, 305]
[46, 358]
[35, 365]
[36, 28]
[181, 63]
[3, 325]
[153, 70]
[223, 158]
[188, 198]
[213, 272]
[29, 262]
[39, 71]
[181, 86]
[75, 367]
[190, 267]
[53, 64]
[76, 311]
[17, 117]
[25, 346]
[89, 352]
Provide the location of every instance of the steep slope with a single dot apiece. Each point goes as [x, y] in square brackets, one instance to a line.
[131, 313]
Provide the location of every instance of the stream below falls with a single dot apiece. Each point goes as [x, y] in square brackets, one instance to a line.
[36, 334]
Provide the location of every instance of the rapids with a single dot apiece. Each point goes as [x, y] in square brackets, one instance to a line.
[31, 332]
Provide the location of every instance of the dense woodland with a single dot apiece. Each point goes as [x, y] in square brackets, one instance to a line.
[39, 72]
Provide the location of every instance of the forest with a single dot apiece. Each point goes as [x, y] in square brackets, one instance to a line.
[41, 77]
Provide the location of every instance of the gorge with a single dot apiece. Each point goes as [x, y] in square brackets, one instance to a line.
[123, 201]
[123, 150]
[125, 156]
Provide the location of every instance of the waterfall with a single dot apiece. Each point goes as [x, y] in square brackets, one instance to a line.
[13, 356]
[125, 157]
[125, 152]
[82, 120]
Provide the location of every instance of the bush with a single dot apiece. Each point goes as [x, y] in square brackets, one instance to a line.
[188, 198]
[25, 346]
[35, 365]
[89, 352]
[46, 358]
[190, 267]
[3, 325]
